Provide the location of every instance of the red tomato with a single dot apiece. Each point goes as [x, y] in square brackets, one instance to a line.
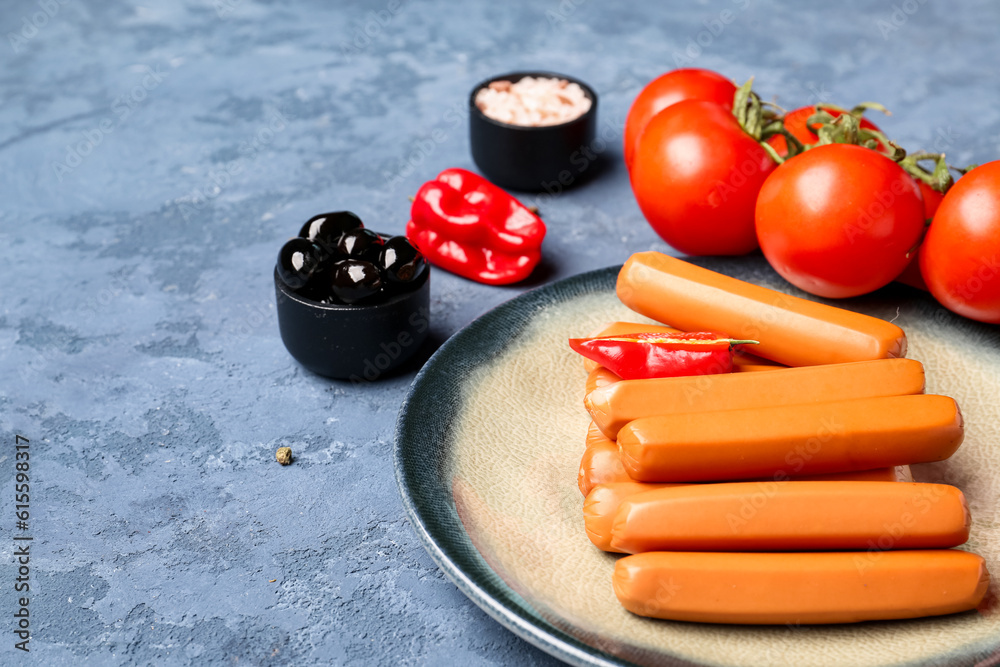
[696, 175]
[838, 220]
[932, 200]
[795, 123]
[960, 257]
[670, 88]
[911, 274]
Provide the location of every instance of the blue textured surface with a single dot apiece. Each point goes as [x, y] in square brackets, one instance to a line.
[153, 158]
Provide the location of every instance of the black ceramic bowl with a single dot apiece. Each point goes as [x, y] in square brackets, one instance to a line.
[358, 343]
[550, 158]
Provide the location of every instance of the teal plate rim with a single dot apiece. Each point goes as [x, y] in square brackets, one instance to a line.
[420, 458]
[423, 436]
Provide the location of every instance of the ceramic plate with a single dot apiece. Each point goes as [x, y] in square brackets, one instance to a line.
[488, 445]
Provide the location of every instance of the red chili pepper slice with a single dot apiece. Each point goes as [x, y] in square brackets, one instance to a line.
[464, 224]
[655, 355]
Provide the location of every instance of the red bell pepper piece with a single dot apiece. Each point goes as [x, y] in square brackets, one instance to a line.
[464, 224]
[656, 355]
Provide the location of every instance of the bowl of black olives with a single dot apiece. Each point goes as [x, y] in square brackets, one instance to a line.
[352, 303]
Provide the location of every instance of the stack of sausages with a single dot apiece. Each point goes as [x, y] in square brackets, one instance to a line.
[778, 493]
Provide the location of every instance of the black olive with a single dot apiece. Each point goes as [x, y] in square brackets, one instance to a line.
[319, 286]
[297, 262]
[325, 229]
[401, 262]
[360, 244]
[354, 280]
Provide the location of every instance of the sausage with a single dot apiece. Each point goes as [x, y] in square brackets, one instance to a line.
[600, 377]
[873, 475]
[790, 516]
[746, 364]
[595, 437]
[618, 328]
[602, 502]
[614, 405]
[601, 505]
[818, 438]
[603, 465]
[791, 330]
[742, 360]
[600, 464]
[800, 588]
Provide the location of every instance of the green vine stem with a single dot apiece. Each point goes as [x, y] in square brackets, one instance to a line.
[763, 120]
[846, 129]
[759, 119]
[939, 177]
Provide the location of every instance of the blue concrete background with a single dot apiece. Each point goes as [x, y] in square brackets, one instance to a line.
[154, 157]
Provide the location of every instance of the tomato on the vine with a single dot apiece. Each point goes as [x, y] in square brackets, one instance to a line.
[838, 220]
[696, 175]
[797, 124]
[960, 256]
[911, 274]
[932, 200]
[670, 88]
